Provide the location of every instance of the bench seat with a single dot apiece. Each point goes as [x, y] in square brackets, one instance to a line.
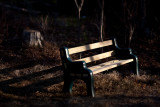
[108, 65]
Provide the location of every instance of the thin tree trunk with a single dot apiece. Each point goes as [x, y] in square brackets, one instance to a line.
[101, 5]
[79, 7]
[131, 35]
[102, 20]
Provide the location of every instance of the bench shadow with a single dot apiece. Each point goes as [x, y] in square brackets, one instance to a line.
[23, 66]
[29, 89]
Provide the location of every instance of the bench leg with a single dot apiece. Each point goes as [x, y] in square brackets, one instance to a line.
[90, 86]
[135, 66]
[68, 83]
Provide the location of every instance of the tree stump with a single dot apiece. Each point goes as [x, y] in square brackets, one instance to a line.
[32, 38]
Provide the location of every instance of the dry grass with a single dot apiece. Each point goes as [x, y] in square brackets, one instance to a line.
[42, 85]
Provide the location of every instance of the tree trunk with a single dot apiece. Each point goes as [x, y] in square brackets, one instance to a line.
[32, 38]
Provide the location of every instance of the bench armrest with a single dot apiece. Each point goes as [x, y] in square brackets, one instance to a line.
[77, 64]
[122, 52]
[80, 68]
[70, 66]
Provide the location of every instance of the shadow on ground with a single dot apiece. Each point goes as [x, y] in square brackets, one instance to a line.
[31, 88]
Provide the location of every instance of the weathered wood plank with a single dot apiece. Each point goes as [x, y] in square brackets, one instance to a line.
[90, 47]
[109, 65]
[97, 57]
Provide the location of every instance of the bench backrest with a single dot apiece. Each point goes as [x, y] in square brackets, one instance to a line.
[91, 47]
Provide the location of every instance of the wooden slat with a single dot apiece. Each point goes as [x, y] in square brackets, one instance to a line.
[108, 65]
[89, 47]
[97, 57]
[103, 64]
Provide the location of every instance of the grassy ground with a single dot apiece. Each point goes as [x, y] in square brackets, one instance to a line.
[41, 85]
[34, 77]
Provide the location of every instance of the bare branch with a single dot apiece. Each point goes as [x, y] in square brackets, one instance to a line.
[79, 7]
[76, 3]
[96, 26]
[82, 1]
[101, 5]
[20, 9]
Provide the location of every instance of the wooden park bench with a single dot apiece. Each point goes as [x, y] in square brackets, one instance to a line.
[77, 69]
